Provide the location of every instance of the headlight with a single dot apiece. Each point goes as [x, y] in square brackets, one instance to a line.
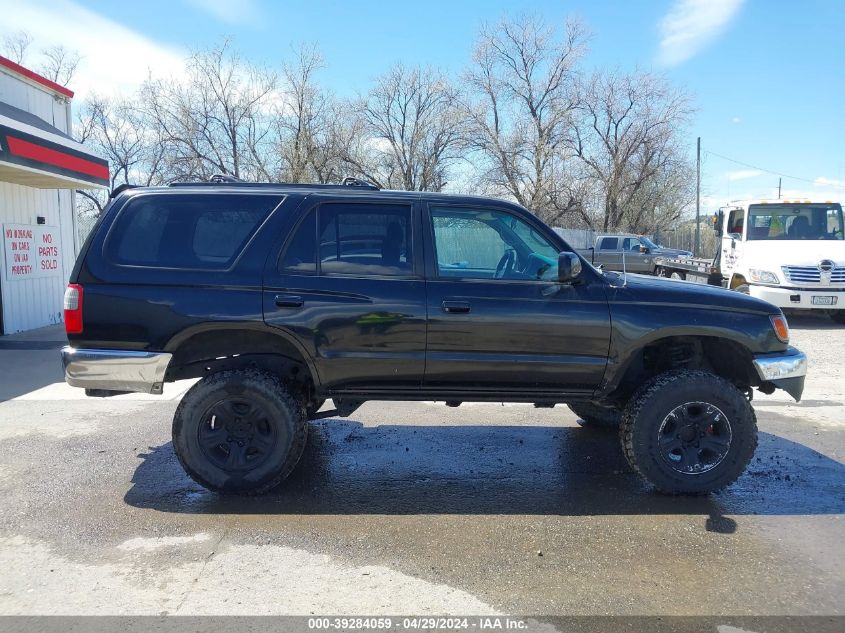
[763, 276]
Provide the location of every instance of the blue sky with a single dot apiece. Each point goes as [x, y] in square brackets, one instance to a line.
[767, 76]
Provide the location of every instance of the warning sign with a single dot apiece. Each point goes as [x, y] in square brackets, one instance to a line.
[31, 251]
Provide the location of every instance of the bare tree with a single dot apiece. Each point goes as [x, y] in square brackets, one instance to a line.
[308, 125]
[118, 131]
[523, 96]
[16, 45]
[215, 120]
[59, 64]
[413, 125]
[627, 137]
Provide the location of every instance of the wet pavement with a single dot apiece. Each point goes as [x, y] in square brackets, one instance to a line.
[420, 508]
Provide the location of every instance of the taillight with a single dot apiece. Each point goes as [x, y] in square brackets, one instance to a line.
[73, 309]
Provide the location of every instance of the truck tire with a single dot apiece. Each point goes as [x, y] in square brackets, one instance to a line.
[689, 432]
[239, 432]
[592, 415]
[838, 316]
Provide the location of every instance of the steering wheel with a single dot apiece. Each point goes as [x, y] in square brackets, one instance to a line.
[505, 264]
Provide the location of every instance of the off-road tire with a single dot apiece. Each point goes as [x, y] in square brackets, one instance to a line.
[838, 316]
[284, 419]
[650, 406]
[591, 415]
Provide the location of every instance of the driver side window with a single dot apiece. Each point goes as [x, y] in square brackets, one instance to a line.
[490, 244]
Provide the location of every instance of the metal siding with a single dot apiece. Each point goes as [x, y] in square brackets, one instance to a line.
[33, 303]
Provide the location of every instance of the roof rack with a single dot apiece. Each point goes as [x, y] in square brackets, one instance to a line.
[226, 179]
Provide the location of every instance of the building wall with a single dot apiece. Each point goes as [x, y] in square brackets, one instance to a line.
[33, 303]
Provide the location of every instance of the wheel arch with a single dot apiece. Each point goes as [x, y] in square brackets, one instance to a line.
[204, 349]
[723, 356]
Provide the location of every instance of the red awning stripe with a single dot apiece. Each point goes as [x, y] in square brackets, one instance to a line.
[25, 149]
[33, 76]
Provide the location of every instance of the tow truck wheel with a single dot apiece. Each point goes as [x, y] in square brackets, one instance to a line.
[239, 431]
[838, 316]
[689, 432]
[592, 415]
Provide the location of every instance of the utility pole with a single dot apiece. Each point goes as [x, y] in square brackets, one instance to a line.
[697, 196]
[779, 181]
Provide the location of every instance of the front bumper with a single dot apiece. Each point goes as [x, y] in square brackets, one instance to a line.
[115, 370]
[799, 297]
[785, 370]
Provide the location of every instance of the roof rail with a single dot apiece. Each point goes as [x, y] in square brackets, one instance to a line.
[120, 189]
[225, 179]
[349, 181]
[221, 178]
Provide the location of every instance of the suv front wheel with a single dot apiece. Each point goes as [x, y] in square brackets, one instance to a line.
[239, 431]
[689, 432]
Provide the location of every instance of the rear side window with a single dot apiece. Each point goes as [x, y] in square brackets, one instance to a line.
[363, 239]
[609, 244]
[186, 231]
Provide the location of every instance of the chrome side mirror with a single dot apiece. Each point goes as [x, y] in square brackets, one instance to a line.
[568, 267]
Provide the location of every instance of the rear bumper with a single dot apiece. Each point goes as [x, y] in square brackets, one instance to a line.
[799, 297]
[115, 370]
[785, 370]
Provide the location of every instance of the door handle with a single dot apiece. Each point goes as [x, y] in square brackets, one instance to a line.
[456, 307]
[288, 301]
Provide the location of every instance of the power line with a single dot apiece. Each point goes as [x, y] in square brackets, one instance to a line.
[771, 171]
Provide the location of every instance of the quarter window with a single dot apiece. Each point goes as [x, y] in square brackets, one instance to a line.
[186, 231]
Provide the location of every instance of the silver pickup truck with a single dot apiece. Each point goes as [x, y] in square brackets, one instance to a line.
[639, 251]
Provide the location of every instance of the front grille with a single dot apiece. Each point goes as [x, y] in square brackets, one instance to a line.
[812, 275]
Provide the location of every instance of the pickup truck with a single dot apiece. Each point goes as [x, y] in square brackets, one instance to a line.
[278, 297]
[628, 252]
[790, 253]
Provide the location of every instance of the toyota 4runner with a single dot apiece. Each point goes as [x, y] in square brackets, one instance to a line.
[279, 297]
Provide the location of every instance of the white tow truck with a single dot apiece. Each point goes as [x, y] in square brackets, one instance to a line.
[788, 252]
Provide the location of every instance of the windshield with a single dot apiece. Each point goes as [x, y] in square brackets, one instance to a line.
[795, 222]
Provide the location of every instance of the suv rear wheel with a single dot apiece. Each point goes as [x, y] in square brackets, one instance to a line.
[590, 414]
[689, 432]
[239, 432]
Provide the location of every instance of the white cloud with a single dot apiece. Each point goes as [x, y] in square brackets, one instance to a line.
[230, 11]
[115, 59]
[828, 182]
[743, 174]
[691, 25]
[736, 119]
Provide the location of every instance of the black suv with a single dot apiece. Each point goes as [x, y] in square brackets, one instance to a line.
[281, 296]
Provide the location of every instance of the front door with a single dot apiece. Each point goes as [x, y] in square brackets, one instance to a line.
[348, 286]
[498, 320]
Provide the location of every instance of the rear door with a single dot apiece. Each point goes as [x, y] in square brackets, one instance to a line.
[348, 285]
[608, 253]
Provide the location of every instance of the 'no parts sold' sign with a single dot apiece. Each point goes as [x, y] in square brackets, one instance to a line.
[31, 251]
